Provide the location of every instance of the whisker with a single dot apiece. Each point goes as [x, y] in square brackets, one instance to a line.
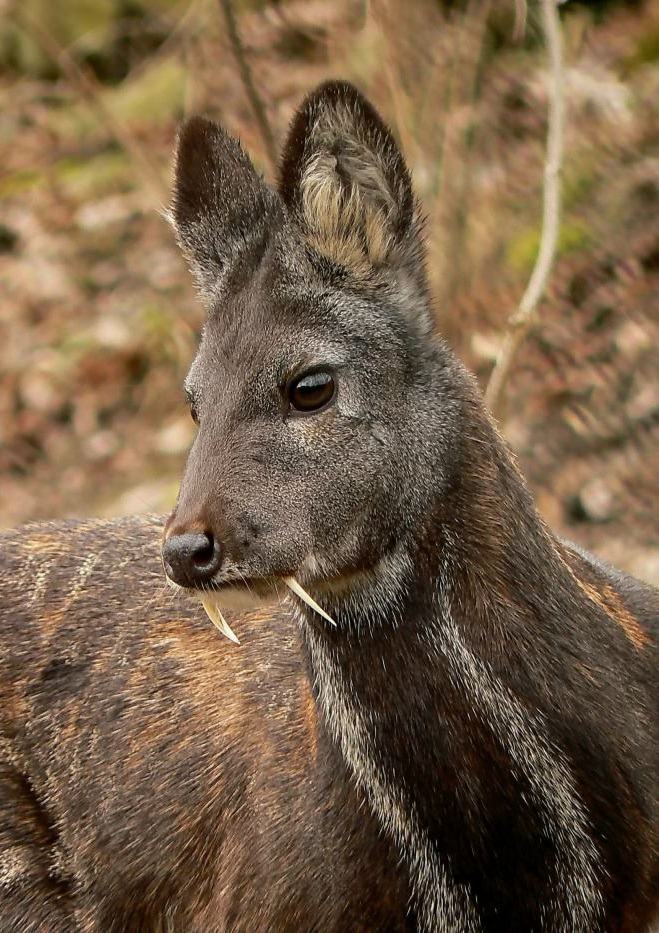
[242, 577]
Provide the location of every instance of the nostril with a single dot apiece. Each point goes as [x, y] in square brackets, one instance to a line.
[204, 552]
[192, 559]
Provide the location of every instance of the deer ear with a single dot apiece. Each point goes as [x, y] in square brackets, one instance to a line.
[345, 180]
[221, 208]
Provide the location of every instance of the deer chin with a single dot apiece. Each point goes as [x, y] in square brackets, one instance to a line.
[246, 597]
[234, 598]
[241, 597]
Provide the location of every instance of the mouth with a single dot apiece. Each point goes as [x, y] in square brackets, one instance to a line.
[247, 594]
[236, 595]
[244, 593]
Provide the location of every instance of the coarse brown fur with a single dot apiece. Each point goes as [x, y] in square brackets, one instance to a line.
[140, 753]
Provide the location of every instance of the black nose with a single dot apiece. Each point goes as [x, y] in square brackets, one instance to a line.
[191, 559]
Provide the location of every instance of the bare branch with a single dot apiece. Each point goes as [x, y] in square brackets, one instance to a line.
[458, 142]
[526, 315]
[519, 27]
[87, 87]
[250, 88]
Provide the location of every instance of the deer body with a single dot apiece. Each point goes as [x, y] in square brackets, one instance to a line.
[153, 773]
[471, 746]
[141, 789]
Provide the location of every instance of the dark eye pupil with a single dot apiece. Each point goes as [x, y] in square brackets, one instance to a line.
[311, 392]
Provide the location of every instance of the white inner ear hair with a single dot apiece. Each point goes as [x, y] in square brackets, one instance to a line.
[348, 207]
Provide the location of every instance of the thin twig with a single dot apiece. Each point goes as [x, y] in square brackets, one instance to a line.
[250, 88]
[526, 315]
[87, 87]
[519, 27]
[459, 146]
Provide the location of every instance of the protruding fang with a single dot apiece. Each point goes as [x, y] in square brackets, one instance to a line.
[218, 620]
[293, 585]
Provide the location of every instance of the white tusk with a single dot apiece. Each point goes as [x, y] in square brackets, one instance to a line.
[293, 585]
[218, 620]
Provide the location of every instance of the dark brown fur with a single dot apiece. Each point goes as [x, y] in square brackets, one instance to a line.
[150, 769]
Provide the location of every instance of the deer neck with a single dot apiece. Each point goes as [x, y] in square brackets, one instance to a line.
[411, 691]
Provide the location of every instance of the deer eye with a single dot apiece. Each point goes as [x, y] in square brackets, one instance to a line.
[311, 392]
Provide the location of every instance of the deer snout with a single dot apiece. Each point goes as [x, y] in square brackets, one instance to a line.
[192, 559]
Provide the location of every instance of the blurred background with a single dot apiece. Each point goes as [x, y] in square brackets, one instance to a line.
[98, 319]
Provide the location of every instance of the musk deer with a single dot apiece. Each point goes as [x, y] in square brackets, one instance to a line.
[464, 738]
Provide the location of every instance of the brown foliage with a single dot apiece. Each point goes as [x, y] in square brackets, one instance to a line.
[98, 320]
